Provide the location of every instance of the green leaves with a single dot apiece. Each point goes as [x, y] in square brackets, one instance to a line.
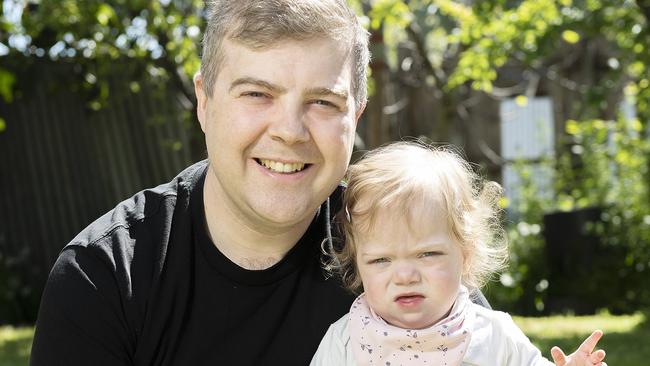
[7, 81]
[469, 44]
[392, 12]
[570, 36]
[105, 14]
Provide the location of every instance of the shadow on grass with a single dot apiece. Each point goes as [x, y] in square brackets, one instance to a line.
[14, 351]
[623, 348]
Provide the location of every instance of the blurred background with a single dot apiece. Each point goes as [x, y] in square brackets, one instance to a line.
[548, 97]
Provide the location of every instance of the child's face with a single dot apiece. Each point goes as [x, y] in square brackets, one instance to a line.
[410, 278]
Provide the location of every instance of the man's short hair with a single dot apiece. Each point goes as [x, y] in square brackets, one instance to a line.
[260, 24]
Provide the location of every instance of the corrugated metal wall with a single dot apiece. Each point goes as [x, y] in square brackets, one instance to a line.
[527, 133]
[62, 165]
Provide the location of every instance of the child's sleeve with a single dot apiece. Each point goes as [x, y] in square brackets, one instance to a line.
[333, 348]
[523, 351]
[497, 340]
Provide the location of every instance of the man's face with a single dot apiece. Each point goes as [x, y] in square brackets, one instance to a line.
[279, 129]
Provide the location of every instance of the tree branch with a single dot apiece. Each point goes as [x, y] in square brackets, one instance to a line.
[413, 32]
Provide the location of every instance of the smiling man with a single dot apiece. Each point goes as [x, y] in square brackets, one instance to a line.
[279, 126]
[222, 266]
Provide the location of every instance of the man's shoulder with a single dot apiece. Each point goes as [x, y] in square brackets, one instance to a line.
[108, 275]
[151, 208]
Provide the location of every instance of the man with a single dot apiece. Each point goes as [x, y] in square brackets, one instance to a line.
[221, 266]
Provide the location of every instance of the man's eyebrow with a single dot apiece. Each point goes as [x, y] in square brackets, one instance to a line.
[342, 94]
[258, 82]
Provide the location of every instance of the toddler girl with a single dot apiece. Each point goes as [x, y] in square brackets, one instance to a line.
[419, 232]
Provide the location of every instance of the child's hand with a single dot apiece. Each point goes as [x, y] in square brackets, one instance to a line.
[584, 355]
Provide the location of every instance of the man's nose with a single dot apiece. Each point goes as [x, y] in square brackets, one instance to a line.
[406, 274]
[288, 124]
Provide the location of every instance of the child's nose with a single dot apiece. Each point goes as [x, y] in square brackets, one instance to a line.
[407, 274]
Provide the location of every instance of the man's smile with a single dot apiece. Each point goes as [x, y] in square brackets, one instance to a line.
[280, 167]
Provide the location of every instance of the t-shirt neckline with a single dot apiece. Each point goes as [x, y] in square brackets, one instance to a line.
[293, 261]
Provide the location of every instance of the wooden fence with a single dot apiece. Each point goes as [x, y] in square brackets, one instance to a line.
[63, 164]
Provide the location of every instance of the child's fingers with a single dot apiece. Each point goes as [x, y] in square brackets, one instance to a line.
[590, 343]
[597, 356]
[558, 356]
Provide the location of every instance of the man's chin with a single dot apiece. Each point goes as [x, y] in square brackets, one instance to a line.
[285, 218]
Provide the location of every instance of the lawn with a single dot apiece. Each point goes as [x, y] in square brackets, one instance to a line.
[15, 344]
[626, 340]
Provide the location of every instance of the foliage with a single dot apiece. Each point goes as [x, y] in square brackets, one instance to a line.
[158, 39]
[522, 286]
[608, 167]
[605, 166]
[459, 45]
[534, 33]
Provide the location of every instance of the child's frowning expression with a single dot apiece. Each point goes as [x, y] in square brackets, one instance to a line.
[410, 266]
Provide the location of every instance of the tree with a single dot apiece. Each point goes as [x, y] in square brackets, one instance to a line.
[156, 41]
[473, 45]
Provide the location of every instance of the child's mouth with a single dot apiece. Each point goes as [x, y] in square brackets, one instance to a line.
[409, 299]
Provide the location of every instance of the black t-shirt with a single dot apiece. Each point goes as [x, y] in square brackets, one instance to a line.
[144, 285]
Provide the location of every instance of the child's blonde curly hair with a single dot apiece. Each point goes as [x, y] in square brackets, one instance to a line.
[403, 175]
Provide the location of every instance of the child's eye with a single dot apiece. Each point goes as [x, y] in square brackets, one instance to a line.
[378, 260]
[430, 254]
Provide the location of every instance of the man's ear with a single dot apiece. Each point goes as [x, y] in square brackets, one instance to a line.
[201, 100]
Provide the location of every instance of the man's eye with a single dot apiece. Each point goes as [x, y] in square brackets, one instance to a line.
[254, 94]
[325, 103]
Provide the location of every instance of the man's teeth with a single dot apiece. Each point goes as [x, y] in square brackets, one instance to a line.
[279, 167]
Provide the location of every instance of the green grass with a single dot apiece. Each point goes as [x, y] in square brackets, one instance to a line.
[626, 340]
[15, 345]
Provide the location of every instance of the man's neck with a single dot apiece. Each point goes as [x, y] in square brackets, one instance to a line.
[250, 245]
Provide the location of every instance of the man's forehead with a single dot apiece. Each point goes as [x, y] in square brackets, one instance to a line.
[230, 44]
[275, 66]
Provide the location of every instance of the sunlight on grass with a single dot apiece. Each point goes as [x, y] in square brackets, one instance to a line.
[562, 326]
[625, 340]
[15, 345]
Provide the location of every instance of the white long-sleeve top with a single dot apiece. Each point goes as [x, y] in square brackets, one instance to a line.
[495, 341]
